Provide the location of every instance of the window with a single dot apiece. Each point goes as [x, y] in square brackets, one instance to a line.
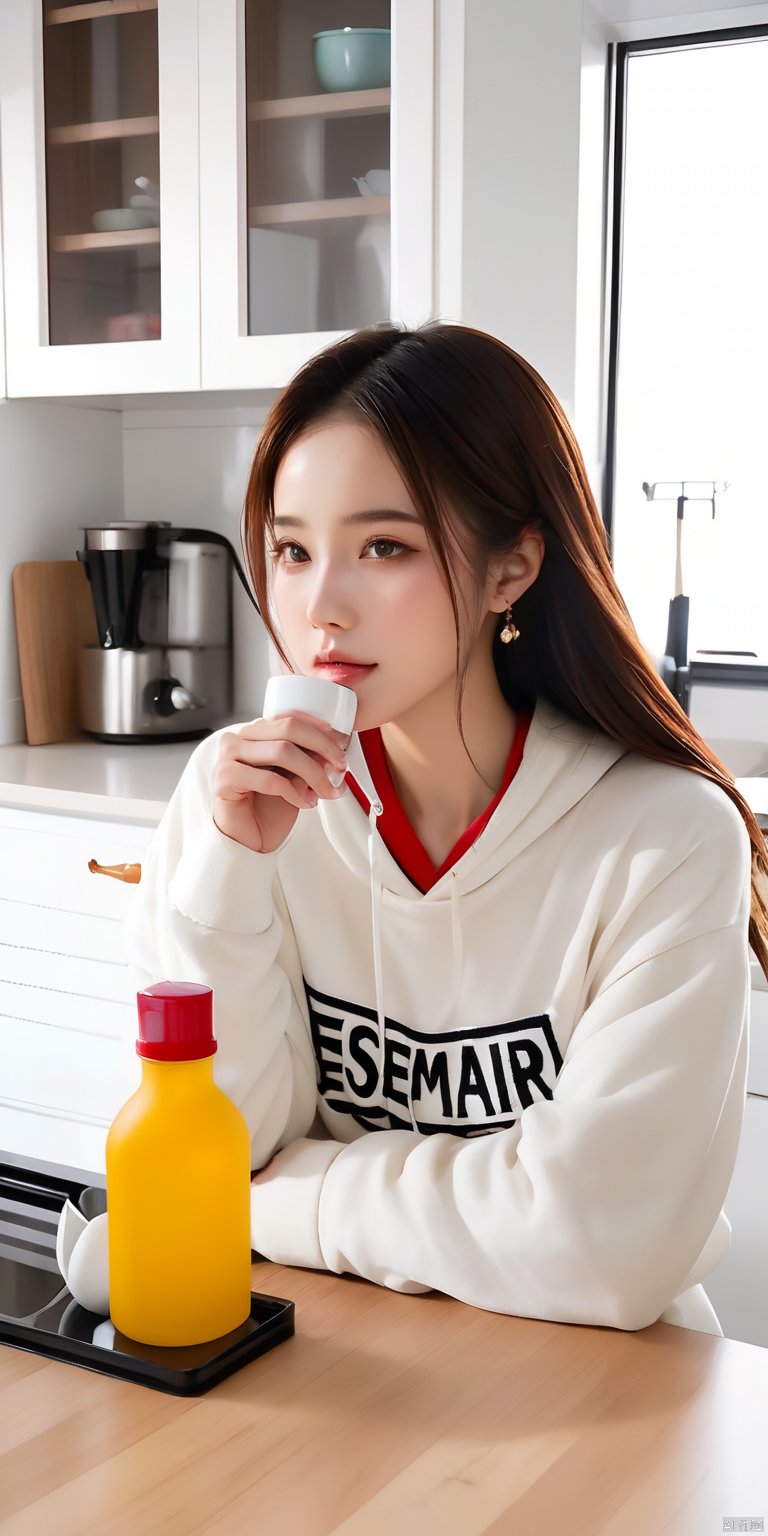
[688, 372]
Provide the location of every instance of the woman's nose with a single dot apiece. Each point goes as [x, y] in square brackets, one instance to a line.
[328, 608]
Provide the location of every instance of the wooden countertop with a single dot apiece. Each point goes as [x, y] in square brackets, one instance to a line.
[406, 1414]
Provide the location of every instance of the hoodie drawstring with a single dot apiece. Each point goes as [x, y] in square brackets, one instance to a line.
[457, 946]
[457, 941]
[376, 928]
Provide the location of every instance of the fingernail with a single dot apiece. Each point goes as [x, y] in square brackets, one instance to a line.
[335, 778]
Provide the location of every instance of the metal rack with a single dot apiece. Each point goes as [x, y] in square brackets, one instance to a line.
[675, 669]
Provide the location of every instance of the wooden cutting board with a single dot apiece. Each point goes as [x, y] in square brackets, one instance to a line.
[55, 618]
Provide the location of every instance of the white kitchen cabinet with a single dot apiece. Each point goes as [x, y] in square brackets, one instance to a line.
[265, 251]
[288, 245]
[67, 1005]
[75, 136]
[738, 1288]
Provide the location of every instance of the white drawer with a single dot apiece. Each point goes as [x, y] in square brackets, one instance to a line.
[57, 1070]
[26, 926]
[52, 1142]
[67, 1002]
[45, 1000]
[44, 861]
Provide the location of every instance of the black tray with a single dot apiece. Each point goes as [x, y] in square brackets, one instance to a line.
[39, 1314]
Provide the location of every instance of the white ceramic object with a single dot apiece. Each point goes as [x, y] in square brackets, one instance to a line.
[317, 696]
[83, 1257]
[149, 187]
[110, 219]
[373, 184]
[149, 206]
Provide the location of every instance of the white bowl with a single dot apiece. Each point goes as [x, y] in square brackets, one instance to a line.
[121, 218]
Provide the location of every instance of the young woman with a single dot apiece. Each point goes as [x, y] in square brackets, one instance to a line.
[484, 1002]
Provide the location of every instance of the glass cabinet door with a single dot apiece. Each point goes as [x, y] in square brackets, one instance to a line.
[102, 165]
[317, 166]
[99, 101]
[318, 96]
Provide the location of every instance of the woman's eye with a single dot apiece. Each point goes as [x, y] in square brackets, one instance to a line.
[277, 550]
[393, 544]
[283, 549]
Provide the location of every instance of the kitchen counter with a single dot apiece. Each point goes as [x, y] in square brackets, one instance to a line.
[91, 778]
[135, 782]
[408, 1413]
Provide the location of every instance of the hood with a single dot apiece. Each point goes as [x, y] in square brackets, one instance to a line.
[562, 761]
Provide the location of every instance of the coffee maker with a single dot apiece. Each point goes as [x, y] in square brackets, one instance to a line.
[163, 597]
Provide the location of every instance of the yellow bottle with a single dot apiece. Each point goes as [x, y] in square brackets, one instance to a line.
[178, 1183]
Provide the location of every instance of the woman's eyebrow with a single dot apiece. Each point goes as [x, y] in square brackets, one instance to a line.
[390, 514]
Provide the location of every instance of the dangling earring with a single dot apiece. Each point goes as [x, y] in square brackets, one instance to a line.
[510, 630]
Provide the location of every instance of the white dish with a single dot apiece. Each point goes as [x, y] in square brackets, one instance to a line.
[108, 219]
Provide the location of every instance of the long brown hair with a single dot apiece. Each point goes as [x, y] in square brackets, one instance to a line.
[475, 431]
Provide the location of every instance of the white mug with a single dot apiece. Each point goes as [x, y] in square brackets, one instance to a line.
[318, 696]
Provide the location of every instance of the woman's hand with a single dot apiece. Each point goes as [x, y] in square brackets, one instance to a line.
[267, 771]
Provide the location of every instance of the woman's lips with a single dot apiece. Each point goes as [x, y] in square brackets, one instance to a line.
[343, 671]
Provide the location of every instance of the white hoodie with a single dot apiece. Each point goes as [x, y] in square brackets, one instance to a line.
[524, 1087]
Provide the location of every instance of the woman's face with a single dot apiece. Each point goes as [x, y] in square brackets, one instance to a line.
[371, 590]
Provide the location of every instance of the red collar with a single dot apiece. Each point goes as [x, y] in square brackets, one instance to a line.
[394, 826]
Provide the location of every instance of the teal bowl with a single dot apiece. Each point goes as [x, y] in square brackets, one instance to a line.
[353, 58]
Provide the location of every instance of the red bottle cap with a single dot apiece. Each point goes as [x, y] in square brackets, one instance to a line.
[175, 1022]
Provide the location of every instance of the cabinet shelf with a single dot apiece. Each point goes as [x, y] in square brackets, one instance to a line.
[326, 104]
[118, 128]
[68, 13]
[108, 240]
[317, 212]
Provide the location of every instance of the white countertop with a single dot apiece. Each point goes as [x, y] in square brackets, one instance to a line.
[135, 782]
[132, 782]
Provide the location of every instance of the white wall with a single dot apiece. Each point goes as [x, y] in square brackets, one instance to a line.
[627, 20]
[191, 467]
[520, 180]
[520, 177]
[61, 466]
[590, 361]
[65, 465]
